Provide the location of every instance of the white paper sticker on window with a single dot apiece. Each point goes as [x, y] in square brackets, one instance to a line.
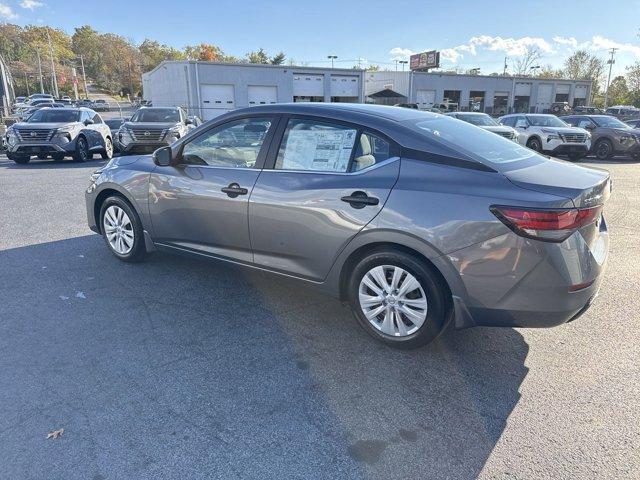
[320, 150]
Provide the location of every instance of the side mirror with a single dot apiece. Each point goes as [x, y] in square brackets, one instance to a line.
[590, 126]
[88, 122]
[163, 157]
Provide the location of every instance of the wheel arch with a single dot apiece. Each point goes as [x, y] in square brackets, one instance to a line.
[534, 136]
[100, 199]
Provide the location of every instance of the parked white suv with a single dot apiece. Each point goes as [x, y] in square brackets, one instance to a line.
[548, 134]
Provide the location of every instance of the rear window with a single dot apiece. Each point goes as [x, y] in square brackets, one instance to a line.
[475, 142]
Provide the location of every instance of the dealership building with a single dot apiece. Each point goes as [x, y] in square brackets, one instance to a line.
[208, 89]
[492, 94]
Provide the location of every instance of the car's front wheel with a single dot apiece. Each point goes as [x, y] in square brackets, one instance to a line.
[603, 149]
[107, 153]
[534, 144]
[82, 153]
[122, 229]
[397, 299]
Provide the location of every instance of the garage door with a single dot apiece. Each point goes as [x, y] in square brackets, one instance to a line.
[216, 100]
[262, 94]
[581, 91]
[545, 92]
[523, 89]
[425, 98]
[563, 89]
[308, 85]
[344, 86]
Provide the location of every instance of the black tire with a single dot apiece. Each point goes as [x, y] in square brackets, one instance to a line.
[21, 159]
[42, 156]
[603, 149]
[58, 157]
[635, 156]
[107, 153]
[82, 153]
[138, 251]
[534, 143]
[435, 293]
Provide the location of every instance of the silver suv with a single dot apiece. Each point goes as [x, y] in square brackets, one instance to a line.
[58, 133]
[548, 134]
[416, 219]
[151, 128]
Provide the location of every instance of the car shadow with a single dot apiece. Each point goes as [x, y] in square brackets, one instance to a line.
[49, 163]
[191, 369]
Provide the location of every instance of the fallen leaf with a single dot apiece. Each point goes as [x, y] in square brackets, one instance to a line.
[55, 433]
[63, 297]
[80, 295]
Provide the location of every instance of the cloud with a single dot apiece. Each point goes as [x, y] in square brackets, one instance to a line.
[514, 47]
[31, 4]
[599, 43]
[568, 41]
[398, 53]
[6, 13]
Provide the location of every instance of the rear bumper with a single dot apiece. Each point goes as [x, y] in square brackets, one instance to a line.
[511, 281]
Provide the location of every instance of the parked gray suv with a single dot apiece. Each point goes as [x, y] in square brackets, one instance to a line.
[151, 128]
[609, 136]
[57, 133]
[416, 219]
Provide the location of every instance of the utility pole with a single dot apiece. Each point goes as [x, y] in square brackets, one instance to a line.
[611, 61]
[84, 77]
[40, 71]
[332, 58]
[396, 65]
[504, 72]
[53, 67]
[26, 81]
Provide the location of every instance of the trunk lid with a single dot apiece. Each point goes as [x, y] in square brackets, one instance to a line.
[584, 186]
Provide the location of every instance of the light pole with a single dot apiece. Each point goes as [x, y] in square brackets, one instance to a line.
[611, 61]
[403, 63]
[533, 68]
[40, 71]
[84, 77]
[332, 58]
[53, 67]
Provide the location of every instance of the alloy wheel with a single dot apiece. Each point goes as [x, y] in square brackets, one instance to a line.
[393, 300]
[118, 230]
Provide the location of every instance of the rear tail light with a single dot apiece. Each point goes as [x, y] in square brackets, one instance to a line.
[547, 225]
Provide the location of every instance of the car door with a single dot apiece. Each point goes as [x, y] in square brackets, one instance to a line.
[325, 180]
[200, 204]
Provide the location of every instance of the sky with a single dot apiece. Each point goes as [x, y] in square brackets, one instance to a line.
[469, 34]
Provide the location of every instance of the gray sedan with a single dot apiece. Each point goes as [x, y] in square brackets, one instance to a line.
[416, 219]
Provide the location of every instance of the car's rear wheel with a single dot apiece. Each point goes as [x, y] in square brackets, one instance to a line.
[534, 144]
[58, 157]
[107, 153]
[21, 159]
[42, 156]
[603, 149]
[122, 229]
[82, 153]
[397, 299]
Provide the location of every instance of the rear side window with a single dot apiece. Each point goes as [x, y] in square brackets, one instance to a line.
[509, 121]
[370, 149]
[308, 145]
[473, 141]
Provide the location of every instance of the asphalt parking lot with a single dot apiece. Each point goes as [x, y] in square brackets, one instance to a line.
[176, 368]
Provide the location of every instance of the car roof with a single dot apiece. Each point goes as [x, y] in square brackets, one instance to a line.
[351, 111]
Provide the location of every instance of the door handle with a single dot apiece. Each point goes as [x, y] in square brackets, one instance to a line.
[360, 199]
[233, 190]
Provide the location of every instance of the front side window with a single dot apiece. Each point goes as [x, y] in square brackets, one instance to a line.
[509, 121]
[583, 123]
[309, 145]
[234, 145]
[610, 122]
[96, 119]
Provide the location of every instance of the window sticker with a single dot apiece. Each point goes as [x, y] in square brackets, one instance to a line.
[326, 150]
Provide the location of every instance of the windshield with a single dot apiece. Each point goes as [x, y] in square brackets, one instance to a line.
[475, 142]
[481, 120]
[609, 122]
[45, 115]
[545, 121]
[156, 115]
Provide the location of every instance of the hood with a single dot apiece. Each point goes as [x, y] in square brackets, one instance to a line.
[584, 186]
[497, 128]
[150, 125]
[566, 130]
[22, 125]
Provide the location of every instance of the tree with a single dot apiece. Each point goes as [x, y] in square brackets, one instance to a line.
[262, 57]
[278, 58]
[618, 91]
[528, 60]
[373, 68]
[204, 52]
[547, 71]
[154, 52]
[583, 66]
